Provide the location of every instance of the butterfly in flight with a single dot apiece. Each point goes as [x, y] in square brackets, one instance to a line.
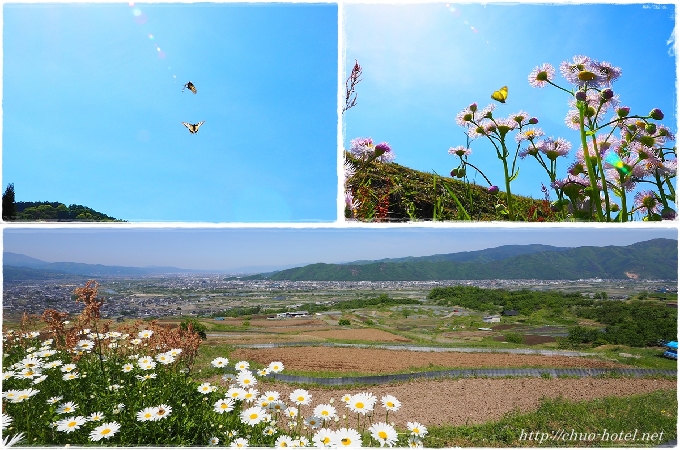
[189, 86]
[193, 128]
[500, 95]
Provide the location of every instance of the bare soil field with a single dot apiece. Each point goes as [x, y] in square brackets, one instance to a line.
[476, 400]
[381, 361]
[361, 334]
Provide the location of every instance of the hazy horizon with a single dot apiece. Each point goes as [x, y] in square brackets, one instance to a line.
[262, 249]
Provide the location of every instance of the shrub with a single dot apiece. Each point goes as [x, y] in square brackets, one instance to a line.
[197, 326]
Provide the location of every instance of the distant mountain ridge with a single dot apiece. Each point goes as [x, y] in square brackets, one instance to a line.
[17, 260]
[653, 259]
[486, 255]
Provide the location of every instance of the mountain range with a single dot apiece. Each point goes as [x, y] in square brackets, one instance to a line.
[653, 259]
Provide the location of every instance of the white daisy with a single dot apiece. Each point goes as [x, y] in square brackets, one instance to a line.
[68, 368]
[145, 334]
[416, 429]
[6, 420]
[205, 388]
[70, 423]
[251, 394]
[325, 412]
[220, 362]
[165, 359]
[347, 437]
[23, 394]
[242, 365]
[276, 366]
[70, 376]
[214, 440]
[163, 411]
[239, 443]
[236, 393]
[224, 405]
[53, 400]
[284, 441]
[253, 415]
[390, 403]
[246, 379]
[104, 431]
[66, 408]
[324, 437]
[146, 414]
[384, 433]
[362, 402]
[128, 367]
[96, 417]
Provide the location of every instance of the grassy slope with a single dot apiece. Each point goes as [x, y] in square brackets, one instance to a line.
[420, 191]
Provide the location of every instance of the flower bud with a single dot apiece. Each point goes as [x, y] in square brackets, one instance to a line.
[473, 107]
[454, 173]
[656, 114]
[614, 207]
[533, 121]
[461, 173]
[382, 148]
[590, 111]
[623, 111]
[663, 132]
[493, 190]
[467, 117]
[581, 96]
[607, 94]
[668, 214]
[647, 141]
[577, 169]
[650, 128]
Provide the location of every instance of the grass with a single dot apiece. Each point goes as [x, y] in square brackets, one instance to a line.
[412, 195]
[651, 413]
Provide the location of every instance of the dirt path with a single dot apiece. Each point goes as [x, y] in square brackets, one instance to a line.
[477, 400]
[380, 361]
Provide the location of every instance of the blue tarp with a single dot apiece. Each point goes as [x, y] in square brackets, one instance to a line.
[672, 344]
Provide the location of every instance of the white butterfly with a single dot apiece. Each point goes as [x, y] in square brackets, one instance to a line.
[193, 128]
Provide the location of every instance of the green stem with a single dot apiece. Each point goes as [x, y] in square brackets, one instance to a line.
[603, 178]
[594, 191]
[623, 215]
[511, 211]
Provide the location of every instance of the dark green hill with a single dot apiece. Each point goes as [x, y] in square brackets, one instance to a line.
[14, 273]
[33, 211]
[486, 255]
[654, 259]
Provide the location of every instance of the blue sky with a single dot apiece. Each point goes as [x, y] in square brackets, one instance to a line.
[258, 249]
[422, 64]
[93, 109]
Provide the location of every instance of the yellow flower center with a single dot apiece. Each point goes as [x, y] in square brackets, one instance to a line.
[359, 405]
[416, 431]
[346, 441]
[72, 423]
[390, 404]
[105, 432]
[382, 435]
[253, 416]
[300, 398]
[326, 440]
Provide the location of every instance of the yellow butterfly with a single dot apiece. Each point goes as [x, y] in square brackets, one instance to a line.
[500, 95]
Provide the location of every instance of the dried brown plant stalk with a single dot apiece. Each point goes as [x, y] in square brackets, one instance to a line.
[350, 85]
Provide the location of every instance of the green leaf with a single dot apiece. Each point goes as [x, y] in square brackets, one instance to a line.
[514, 175]
[466, 216]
